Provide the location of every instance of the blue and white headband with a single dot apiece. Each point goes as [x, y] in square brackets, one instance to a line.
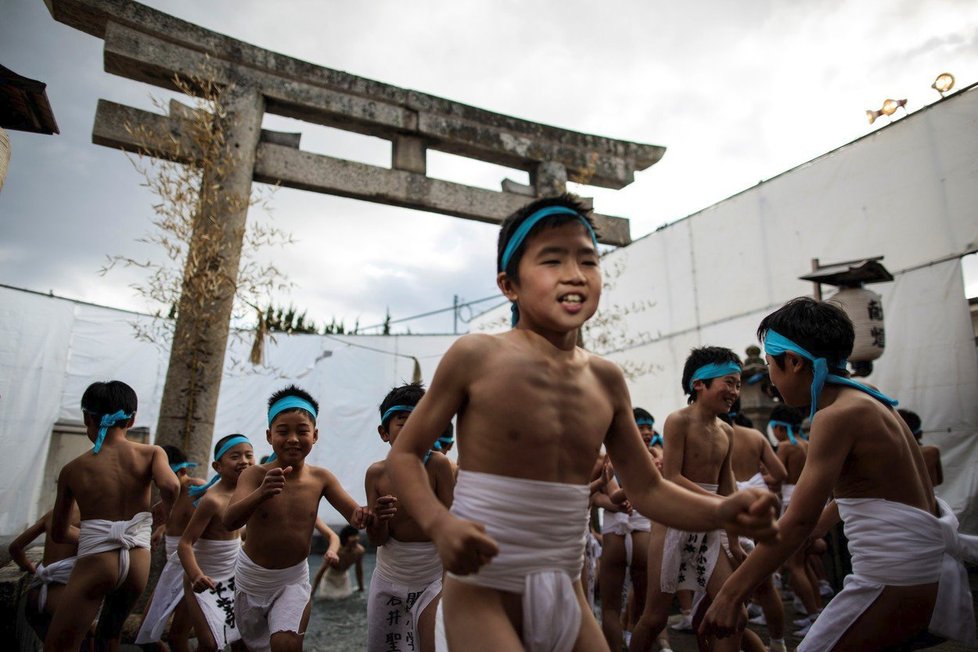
[787, 426]
[714, 370]
[182, 465]
[200, 490]
[108, 421]
[290, 403]
[394, 409]
[443, 441]
[776, 344]
[645, 422]
[656, 439]
[523, 230]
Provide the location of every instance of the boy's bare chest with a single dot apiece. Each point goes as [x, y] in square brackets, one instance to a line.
[704, 452]
[298, 501]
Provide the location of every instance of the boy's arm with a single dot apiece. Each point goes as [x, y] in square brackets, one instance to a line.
[674, 433]
[207, 509]
[356, 515]
[462, 545]
[384, 507]
[830, 516]
[61, 513]
[665, 502]
[444, 479]
[166, 481]
[726, 486]
[825, 460]
[18, 545]
[775, 469]
[252, 490]
[359, 573]
[330, 557]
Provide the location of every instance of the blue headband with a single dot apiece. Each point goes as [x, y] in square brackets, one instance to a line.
[391, 411]
[656, 439]
[182, 465]
[644, 422]
[714, 370]
[271, 458]
[200, 490]
[443, 441]
[776, 344]
[787, 426]
[108, 421]
[523, 230]
[289, 403]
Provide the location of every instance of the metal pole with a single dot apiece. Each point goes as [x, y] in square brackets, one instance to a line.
[455, 314]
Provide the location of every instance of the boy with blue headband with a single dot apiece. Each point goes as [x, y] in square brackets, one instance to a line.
[167, 596]
[111, 485]
[278, 501]
[406, 583]
[208, 550]
[698, 459]
[907, 574]
[533, 411]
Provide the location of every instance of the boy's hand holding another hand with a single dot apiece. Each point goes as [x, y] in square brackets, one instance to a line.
[464, 546]
[750, 513]
[385, 507]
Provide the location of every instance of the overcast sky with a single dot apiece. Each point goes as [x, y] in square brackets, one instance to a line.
[736, 92]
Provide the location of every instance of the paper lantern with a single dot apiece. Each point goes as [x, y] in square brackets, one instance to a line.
[865, 309]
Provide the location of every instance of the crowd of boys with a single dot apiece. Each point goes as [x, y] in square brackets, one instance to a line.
[489, 555]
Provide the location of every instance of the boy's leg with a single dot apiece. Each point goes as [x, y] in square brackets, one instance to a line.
[478, 619]
[179, 635]
[205, 638]
[289, 641]
[609, 586]
[426, 626]
[640, 572]
[769, 599]
[120, 601]
[657, 603]
[721, 571]
[590, 638]
[91, 579]
[898, 615]
[798, 580]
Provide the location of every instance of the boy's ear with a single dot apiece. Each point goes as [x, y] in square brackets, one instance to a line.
[268, 435]
[132, 420]
[315, 435]
[506, 285]
[794, 361]
[382, 431]
[216, 466]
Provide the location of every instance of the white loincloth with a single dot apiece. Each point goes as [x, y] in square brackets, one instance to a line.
[787, 491]
[268, 600]
[623, 524]
[99, 535]
[688, 558]
[335, 584]
[540, 528]
[405, 581]
[893, 544]
[57, 573]
[166, 596]
[217, 559]
[756, 481]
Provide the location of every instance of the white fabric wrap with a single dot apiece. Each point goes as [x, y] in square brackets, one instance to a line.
[541, 551]
[756, 481]
[57, 573]
[268, 600]
[688, 558]
[405, 581]
[99, 535]
[893, 544]
[623, 524]
[787, 491]
[166, 596]
[335, 585]
[217, 559]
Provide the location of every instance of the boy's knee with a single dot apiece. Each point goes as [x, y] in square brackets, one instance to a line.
[286, 642]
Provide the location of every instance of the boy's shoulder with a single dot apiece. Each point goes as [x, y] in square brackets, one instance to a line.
[376, 469]
[438, 462]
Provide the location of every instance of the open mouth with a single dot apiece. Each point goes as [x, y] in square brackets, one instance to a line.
[572, 301]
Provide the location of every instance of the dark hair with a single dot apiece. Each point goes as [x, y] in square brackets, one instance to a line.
[223, 440]
[787, 414]
[704, 356]
[347, 532]
[174, 455]
[739, 418]
[511, 223]
[292, 390]
[408, 394]
[109, 397]
[264, 458]
[821, 328]
[912, 419]
[641, 413]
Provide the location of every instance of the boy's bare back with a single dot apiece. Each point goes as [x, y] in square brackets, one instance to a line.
[793, 456]
[280, 529]
[402, 526]
[749, 448]
[214, 502]
[183, 508]
[114, 484]
[527, 409]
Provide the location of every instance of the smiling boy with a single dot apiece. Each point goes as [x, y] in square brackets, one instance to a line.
[278, 501]
[533, 410]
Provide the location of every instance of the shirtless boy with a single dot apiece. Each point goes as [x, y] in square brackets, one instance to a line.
[863, 453]
[51, 575]
[751, 452]
[167, 597]
[333, 579]
[111, 485]
[208, 550]
[697, 457]
[932, 454]
[278, 501]
[406, 583]
[785, 423]
[533, 410]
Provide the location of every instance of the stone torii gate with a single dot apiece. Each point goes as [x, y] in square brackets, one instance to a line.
[150, 46]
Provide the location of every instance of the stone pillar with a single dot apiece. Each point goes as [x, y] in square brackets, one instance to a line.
[409, 154]
[549, 179]
[193, 377]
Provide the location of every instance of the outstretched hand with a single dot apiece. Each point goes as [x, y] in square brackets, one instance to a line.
[361, 517]
[464, 546]
[621, 500]
[274, 482]
[724, 618]
[385, 507]
[751, 513]
[331, 559]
